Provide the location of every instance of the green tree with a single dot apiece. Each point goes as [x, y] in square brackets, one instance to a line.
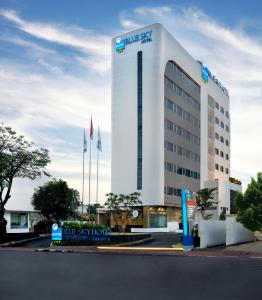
[18, 158]
[205, 200]
[121, 205]
[249, 205]
[56, 200]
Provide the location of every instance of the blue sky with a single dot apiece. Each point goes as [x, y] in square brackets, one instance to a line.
[55, 72]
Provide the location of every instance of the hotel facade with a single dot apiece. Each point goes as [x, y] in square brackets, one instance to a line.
[170, 124]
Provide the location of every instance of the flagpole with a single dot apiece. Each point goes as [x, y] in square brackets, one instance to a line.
[89, 180]
[97, 177]
[90, 138]
[83, 183]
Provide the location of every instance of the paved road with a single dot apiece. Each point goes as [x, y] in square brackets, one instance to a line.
[38, 275]
[39, 243]
[164, 239]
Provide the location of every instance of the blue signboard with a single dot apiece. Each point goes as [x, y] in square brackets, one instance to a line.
[205, 72]
[91, 235]
[187, 239]
[56, 232]
[143, 37]
[120, 45]
[184, 211]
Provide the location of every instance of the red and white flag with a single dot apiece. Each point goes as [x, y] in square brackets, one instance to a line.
[91, 129]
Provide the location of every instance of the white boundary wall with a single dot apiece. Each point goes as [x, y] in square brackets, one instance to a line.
[236, 233]
[212, 233]
[171, 227]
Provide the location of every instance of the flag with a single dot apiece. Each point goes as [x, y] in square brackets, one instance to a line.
[99, 144]
[85, 142]
[91, 129]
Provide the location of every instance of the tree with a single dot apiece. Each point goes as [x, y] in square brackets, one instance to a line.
[56, 201]
[121, 205]
[18, 158]
[205, 200]
[249, 205]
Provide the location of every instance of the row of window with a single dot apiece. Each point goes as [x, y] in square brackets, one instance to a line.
[221, 168]
[182, 151]
[170, 167]
[183, 75]
[175, 88]
[221, 108]
[182, 132]
[182, 113]
[215, 104]
[222, 125]
[221, 153]
[221, 139]
[171, 191]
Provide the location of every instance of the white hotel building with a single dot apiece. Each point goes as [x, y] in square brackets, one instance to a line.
[170, 124]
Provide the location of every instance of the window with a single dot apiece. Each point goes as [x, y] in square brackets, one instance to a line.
[170, 146]
[227, 114]
[169, 125]
[216, 151]
[222, 109]
[179, 150]
[222, 124]
[19, 220]
[169, 167]
[172, 86]
[139, 118]
[216, 120]
[216, 166]
[226, 170]
[227, 128]
[221, 153]
[169, 83]
[169, 190]
[221, 139]
[182, 132]
[179, 111]
[210, 102]
[227, 157]
[183, 75]
[216, 105]
[221, 168]
[169, 104]
[179, 131]
[187, 173]
[179, 170]
[227, 143]
[217, 136]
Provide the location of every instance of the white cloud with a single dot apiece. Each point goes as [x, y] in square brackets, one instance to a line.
[88, 41]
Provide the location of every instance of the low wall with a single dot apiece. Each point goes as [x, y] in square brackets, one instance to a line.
[212, 233]
[171, 227]
[143, 230]
[236, 232]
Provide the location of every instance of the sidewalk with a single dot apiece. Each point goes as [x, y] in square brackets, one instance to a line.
[253, 250]
[255, 247]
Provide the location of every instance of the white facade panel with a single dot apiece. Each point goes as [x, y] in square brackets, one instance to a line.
[156, 54]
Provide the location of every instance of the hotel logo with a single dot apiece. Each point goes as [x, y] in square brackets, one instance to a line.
[120, 45]
[204, 72]
[143, 37]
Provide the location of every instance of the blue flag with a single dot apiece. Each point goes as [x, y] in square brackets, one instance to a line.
[85, 142]
[99, 144]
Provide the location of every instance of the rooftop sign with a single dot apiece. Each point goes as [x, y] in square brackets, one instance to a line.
[143, 37]
[206, 73]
